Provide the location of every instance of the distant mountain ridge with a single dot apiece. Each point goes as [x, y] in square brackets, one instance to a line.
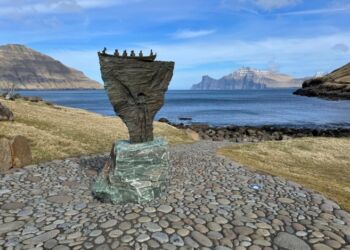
[26, 68]
[248, 78]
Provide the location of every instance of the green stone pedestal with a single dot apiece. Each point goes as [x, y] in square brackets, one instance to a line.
[138, 173]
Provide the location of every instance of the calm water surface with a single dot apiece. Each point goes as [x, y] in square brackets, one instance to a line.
[240, 107]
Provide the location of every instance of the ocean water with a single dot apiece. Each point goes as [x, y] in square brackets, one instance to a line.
[219, 108]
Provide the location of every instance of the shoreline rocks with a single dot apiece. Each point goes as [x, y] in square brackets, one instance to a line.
[260, 133]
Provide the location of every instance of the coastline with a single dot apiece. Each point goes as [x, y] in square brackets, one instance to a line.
[238, 134]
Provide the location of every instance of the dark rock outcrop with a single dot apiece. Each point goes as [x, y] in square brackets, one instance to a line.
[247, 78]
[24, 68]
[5, 113]
[334, 86]
[136, 90]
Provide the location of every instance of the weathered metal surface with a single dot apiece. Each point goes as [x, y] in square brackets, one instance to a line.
[136, 90]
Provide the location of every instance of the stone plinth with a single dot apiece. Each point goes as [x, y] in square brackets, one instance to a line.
[138, 173]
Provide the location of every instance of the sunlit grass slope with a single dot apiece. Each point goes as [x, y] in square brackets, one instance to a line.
[322, 164]
[58, 132]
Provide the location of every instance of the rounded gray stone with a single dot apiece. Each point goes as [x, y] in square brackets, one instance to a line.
[11, 226]
[152, 227]
[213, 226]
[108, 224]
[61, 247]
[61, 199]
[42, 237]
[160, 237]
[165, 209]
[290, 242]
[176, 240]
[202, 239]
[321, 246]
[143, 237]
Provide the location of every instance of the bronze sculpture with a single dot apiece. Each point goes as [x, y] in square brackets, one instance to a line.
[136, 87]
[137, 170]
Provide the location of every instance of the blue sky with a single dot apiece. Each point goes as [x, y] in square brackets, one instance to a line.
[214, 37]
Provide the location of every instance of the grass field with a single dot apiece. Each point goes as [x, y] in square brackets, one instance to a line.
[58, 132]
[322, 164]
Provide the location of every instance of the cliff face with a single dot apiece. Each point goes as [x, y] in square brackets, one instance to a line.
[335, 85]
[29, 69]
[247, 78]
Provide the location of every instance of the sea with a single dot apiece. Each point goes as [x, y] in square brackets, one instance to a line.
[277, 107]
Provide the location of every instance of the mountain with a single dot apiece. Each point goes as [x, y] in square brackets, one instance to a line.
[28, 69]
[335, 85]
[248, 78]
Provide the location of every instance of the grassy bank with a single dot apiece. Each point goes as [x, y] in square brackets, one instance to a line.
[58, 132]
[322, 164]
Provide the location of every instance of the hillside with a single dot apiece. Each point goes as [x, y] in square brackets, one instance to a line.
[248, 78]
[58, 132]
[28, 69]
[335, 85]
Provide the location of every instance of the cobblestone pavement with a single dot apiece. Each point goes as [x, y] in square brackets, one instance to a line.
[212, 203]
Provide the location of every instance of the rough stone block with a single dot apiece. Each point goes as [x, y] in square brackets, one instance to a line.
[139, 173]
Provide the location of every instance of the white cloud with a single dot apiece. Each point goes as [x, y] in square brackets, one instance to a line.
[295, 56]
[275, 4]
[188, 33]
[330, 10]
[54, 6]
[253, 5]
[341, 47]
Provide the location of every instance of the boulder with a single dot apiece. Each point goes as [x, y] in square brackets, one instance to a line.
[5, 154]
[5, 113]
[21, 153]
[14, 153]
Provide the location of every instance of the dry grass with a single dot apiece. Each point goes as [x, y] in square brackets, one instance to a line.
[58, 132]
[322, 164]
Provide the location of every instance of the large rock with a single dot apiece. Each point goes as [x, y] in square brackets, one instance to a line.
[139, 173]
[5, 113]
[136, 90]
[21, 153]
[335, 85]
[14, 153]
[5, 154]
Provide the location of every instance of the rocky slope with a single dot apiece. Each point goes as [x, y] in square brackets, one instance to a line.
[248, 78]
[335, 85]
[28, 69]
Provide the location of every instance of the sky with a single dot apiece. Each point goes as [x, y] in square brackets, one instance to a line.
[203, 37]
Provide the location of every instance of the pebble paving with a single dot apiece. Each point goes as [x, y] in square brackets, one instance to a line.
[211, 204]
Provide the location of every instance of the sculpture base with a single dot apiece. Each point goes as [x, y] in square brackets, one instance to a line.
[137, 173]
